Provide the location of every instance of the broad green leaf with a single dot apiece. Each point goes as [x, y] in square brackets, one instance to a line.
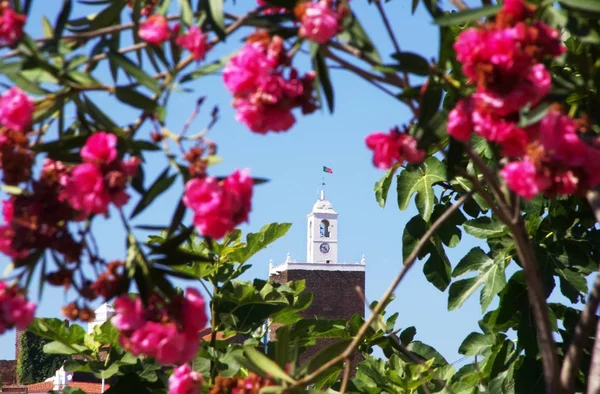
[256, 242]
[437, 267]
[484, 228]
[420, 180]
[266, 365]
[585, 5]
[160, 185]
[383, 186]
[427, 353]
[408, 335]
[572, 284]
[456, 18]
[475, 260]
[476, 344]
[325, 354]
[490, 275]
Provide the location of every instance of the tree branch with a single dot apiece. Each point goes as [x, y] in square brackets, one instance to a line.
[408, 263]
[581, 336]
[539, 307]
[594, 374]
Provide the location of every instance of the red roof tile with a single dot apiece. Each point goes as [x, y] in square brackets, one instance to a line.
[89, 388]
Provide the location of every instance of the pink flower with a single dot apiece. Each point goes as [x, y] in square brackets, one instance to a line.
[521, 177]
[320, 22]
[155, 30]
[163, 342]
[246, 70]
[531, 90]
[100, 148]
[565, 182]
[394, 147]
[195, 42]
[85, 190]
[240, 185]
[471, 49]
[18, 311]
[495, 129]
[184, 380]
[128, 313]
[11, 26]
[385, 149]
[130, 166]
[194, 312]
[460, 125]
[409, 150]
[15, 309]
[558, 135]
[261, 118]
[219, 207]
[517, 9]
[16, 110]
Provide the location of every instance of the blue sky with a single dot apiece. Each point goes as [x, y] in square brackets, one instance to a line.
[293, 162]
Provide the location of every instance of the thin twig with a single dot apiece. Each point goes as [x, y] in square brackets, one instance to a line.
[594, 374]
[391, 33]
[408, 263]
[460, 5]
[580, 337]
[347, 367]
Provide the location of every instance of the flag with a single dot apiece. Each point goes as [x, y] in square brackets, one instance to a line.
[327, 170]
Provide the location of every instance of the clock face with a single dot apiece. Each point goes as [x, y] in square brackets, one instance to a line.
[324, 248]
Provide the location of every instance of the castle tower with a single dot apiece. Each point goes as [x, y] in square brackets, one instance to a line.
[101, 315]
[332, 283]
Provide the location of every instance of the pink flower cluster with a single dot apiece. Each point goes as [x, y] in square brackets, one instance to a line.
[101, 179]
[168, 332]
[319, 21]
[16, 110]
[11, 25]
[393, 147]
[504, 61]
[219, 206]
[15, 309]
[263, 96]
[185, 381]
[155, 30]
[558, 161]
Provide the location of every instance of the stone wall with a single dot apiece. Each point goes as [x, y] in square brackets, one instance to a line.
[334, 297]
[8, 372]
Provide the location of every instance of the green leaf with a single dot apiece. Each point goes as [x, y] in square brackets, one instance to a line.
[475, 260]
[490, 275]
[437, 267]
[265, 364]
[412, 63]
[585, 5]
[214, 12]
[355, 35]
[457, 18]
[408, 335]
[161, 184]
[476, 344]
[420, 180]
[207, 69]
[322, 71]
[383, 186]
[256, 242]
[134, 98]
[484, 228]
[187, 16]
[130, 68]
[61, 21]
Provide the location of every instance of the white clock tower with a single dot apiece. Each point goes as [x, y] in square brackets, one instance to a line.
[322, 242]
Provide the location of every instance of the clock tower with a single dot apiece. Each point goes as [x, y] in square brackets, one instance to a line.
[338, 288]
[322, 245]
